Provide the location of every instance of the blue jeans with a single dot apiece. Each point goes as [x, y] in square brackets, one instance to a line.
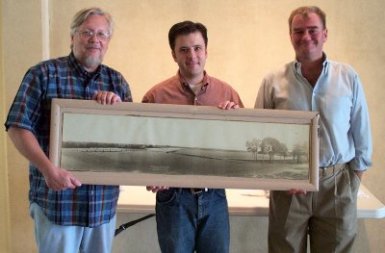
[188, 222]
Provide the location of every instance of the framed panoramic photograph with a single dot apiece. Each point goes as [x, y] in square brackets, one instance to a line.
[184, 145]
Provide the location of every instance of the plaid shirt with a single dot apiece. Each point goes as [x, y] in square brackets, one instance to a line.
[88, 205]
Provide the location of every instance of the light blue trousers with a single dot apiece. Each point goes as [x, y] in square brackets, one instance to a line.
[70, 239]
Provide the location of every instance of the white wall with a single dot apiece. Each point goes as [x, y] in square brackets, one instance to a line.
[247, 39]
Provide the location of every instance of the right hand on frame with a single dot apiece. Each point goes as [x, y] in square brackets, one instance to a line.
[60, 179]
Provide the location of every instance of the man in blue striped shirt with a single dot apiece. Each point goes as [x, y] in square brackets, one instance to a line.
[314, 83]
[69, 217]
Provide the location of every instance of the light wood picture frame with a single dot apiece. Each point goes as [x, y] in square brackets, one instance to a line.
[185, 146]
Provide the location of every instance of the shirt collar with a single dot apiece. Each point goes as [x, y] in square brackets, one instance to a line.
[297, 64]
[185, 83]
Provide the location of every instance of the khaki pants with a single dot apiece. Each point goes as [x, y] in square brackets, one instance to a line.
[328, 217]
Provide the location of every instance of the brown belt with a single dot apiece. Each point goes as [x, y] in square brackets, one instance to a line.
[331, 170]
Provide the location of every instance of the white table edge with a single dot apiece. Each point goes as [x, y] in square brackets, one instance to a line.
[134, 199]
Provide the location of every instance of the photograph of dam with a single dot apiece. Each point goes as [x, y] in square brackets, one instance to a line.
[185, 146]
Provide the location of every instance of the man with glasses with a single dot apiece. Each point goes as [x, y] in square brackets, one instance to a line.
[69, 217]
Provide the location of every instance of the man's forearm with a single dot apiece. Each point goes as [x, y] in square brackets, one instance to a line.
[27, 144]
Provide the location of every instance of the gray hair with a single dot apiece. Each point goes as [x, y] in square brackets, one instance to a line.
[82, 16]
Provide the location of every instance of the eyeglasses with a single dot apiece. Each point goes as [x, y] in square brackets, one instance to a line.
[87, 34]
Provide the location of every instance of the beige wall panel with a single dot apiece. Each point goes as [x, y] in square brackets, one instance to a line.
[4, 196]
[22, 48]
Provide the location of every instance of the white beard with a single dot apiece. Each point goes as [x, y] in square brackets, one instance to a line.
[92, 62]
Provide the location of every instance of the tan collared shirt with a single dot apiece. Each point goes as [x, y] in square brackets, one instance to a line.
[176, 91]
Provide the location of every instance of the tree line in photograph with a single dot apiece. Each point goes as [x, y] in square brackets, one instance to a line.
[272, 149]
